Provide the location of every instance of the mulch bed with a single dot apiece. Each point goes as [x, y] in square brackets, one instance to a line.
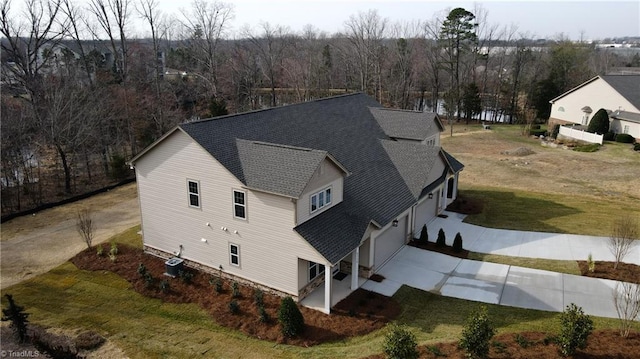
[360, 313]
[625, 272]
[527, 345]
[431, 246]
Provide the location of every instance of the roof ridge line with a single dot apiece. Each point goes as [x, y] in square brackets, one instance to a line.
[279, 145]
[270, 108]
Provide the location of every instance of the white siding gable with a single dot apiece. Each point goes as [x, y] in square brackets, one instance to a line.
[326, 175]
[268, 246]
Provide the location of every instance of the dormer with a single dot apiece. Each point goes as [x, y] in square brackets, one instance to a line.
[312, 178]
[324, 189]
[409, 126]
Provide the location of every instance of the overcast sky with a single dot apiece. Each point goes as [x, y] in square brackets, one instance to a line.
[540, 19]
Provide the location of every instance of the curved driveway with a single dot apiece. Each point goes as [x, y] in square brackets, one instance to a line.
[499, 283]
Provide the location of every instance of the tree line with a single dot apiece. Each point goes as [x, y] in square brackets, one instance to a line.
[81, 94]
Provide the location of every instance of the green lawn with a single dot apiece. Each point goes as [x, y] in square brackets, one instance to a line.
[531, 211]
[148, 328]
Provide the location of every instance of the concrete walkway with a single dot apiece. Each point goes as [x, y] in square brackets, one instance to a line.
[498, 283]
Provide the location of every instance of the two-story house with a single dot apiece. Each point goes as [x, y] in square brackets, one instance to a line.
[287, 197]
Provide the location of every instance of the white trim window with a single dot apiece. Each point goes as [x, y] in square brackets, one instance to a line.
[626, 129]
[239, 204]
[234, 255]
[320, 199]
[315, 269]
[193, 187]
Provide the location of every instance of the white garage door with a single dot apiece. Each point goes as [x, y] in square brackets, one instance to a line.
[390, 242]
[425, 212]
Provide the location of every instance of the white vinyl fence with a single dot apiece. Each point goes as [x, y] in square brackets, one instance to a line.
[580, 135]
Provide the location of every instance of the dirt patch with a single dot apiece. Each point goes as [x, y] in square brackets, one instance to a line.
[625, 272]
[518, 152]
[526, 345]
[360, 313]
[32, 245]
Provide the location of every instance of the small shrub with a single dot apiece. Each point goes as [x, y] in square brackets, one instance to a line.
[89, 340]
[457, 243]
[636, 146]
[112, 257]
[400, 343]
[148, 280]
[624, 138]
[186, 276]
[142, 270]
[235, 290]
[263, 315]
[424, 235]
[165, 286]
[477, 334]
[537, 132]
[591, 264]
[114, 249]
[290, 318]
[217, 284]
[258, 297]
[234, 307]
[592, 147]
[18, 318]
[609, 136]
[522, 341]
[99, 250]
[556, 131]
[575, 330]
[441, 241]
[435, 351]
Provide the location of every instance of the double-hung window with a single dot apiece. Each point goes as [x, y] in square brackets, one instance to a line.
[239, 204]
[193, 187]
[234, 254]
[320, 199]
[315, 269]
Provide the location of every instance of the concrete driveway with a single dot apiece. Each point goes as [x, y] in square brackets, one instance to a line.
[526, 244]
[503, 284]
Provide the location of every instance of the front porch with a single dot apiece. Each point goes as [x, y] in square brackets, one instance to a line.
[340, 289]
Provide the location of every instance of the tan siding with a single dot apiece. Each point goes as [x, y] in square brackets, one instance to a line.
[269, 248]
[330, 176]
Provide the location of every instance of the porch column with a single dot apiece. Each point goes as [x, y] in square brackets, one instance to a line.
[355, 264]
[328, 279]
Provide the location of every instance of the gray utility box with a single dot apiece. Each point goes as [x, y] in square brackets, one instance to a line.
[173, 267]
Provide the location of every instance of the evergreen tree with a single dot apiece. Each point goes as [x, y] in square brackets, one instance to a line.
[290, 318]
[599, 122]
[18, 318]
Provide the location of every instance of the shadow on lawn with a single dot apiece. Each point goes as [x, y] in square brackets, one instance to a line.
[507, 210]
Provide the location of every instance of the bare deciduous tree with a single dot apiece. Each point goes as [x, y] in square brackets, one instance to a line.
[85, 225]
[626, 298]
[623, 238]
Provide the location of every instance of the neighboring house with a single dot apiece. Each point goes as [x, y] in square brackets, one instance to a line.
[618, 94]
[285, 197]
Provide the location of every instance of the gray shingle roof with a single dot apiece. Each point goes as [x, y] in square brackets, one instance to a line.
[345, 128]
[626, 115]
[404, 124]
[627, 85]
[454, 164]
[413, 161]
[275, 168]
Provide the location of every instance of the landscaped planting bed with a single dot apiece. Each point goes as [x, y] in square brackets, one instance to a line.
[359, 314]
